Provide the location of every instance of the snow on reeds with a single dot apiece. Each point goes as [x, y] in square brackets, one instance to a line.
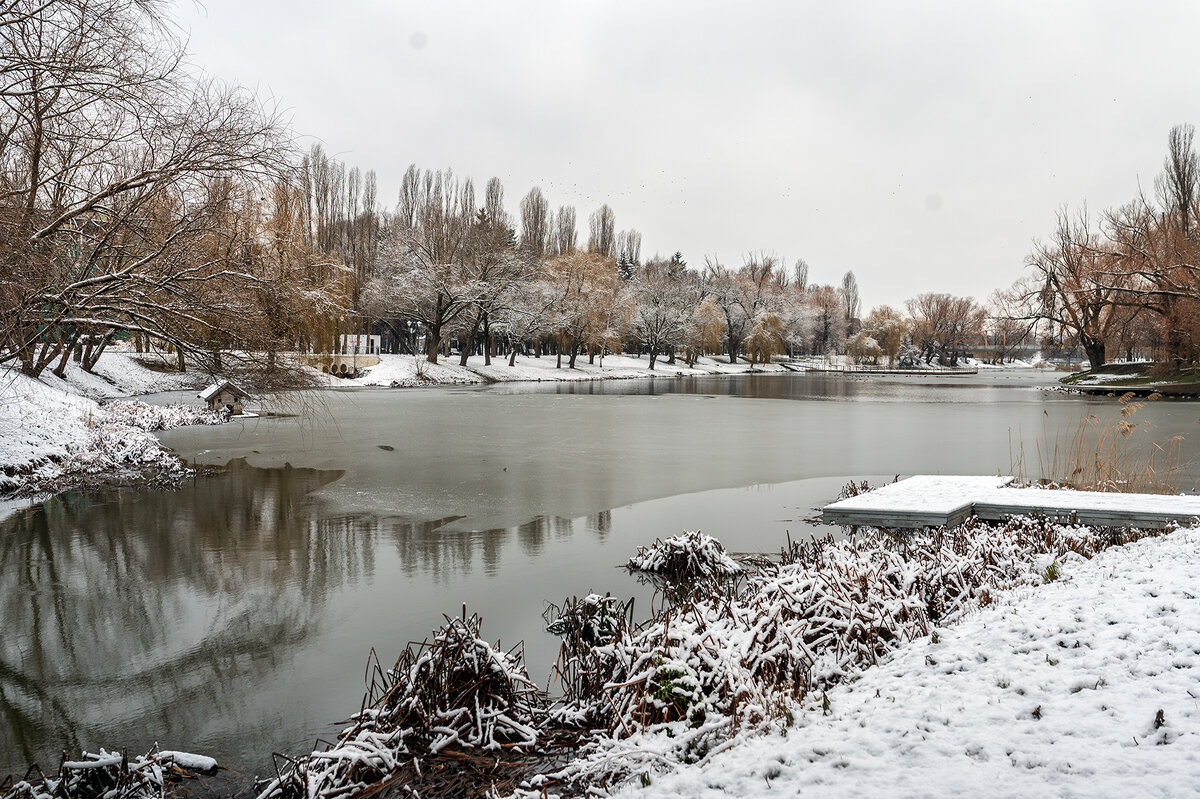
[454, 692]
[107, 775]
[685, 562]
[706, 668]
[685, 682]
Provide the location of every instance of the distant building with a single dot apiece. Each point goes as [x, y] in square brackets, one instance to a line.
[224, 396]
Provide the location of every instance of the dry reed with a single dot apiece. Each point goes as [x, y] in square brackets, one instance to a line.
[1112, 452]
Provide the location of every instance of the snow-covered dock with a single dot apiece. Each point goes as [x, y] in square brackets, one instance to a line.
[934, 500]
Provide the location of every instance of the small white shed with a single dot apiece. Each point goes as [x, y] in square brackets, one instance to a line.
[224, 396]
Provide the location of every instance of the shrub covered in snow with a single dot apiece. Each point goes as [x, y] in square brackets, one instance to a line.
[145, 416]
[111, 775]
[691, 556]
[454, 691]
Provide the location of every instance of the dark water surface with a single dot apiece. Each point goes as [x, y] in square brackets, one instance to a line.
[234, 616]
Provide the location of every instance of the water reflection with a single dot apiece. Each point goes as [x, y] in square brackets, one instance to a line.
[145, 612]
[233, 616]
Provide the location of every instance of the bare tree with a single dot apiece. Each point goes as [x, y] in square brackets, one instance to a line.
[116, 164]
[493, 201]
[1178, 182]
[742, 295]
[629, 251]
[565, 234]
[602, 238]
[800, 274]
[1075, 284]
[423, 275]
[535, 224]
[851, 297]
[663, 299]
[942, 325]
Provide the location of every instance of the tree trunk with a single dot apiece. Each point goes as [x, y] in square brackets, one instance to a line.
[61, 369]
[653, 356]
[91, 354]
[487, 341]
[1095, 352]
[433, 341]
[469, 344]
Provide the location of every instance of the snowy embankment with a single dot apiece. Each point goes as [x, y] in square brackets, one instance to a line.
[1081, 687]
[404, 370]
[51, 440]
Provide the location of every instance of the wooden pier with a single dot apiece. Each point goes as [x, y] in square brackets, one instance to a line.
[937, 500]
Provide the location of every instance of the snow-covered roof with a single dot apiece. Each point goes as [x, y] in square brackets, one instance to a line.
[217, 388]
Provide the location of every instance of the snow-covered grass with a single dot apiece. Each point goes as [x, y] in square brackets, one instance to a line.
[405, 370]
[123, 372]
[51, 439]
[1082, 687]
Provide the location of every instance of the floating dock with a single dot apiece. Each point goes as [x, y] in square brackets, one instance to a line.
[937, 500]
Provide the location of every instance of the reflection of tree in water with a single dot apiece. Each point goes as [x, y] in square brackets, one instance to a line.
[146, 614]
[426, 549]
[136, 616]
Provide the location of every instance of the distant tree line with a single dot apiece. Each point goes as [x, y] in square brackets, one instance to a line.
[139, 199]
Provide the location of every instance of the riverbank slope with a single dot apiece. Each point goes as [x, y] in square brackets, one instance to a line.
[52, 439]
[1084, 686]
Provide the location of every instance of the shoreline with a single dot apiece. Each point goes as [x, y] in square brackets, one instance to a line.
[702, 695]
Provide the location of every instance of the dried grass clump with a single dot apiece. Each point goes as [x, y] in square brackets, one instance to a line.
[582, 671]
[849, 602]
[688, 557]
[455, 692]
[110, 775]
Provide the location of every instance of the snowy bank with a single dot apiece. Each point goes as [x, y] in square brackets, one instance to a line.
[1085, 686]
[404, 370]
[51, 440]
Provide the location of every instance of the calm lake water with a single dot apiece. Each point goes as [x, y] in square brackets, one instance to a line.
[234, 616]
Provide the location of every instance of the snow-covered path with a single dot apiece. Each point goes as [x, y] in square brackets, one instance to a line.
[1051, 691]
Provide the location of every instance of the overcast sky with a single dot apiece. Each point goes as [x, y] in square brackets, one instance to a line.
[922, 145]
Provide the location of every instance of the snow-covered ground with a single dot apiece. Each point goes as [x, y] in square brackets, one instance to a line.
[122, 372]
[51, 438]
[405, 370]
[1087, 686]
